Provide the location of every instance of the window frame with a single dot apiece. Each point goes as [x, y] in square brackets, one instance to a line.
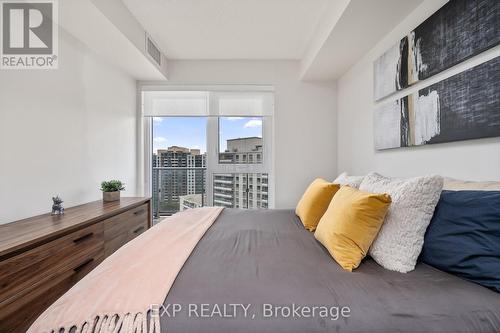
[212, 160]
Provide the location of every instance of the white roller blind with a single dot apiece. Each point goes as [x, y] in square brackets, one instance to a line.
[203, 103]
[175, 103]
[243, 103]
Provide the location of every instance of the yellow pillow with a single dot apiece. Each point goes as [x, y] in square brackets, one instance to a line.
[351, 223]
[314, 202]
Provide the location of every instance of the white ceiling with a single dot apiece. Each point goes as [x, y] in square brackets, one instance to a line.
[327, 36]
[230, 29]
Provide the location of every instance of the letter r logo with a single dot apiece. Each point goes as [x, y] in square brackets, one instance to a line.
[27, 27]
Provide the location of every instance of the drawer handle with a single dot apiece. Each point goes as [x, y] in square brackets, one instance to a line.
[139, 212]
[138, 229]
[84, 237]
[85, 263]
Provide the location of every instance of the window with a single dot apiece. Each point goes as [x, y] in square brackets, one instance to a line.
[178, 163]
[240, 140]
[209, 148]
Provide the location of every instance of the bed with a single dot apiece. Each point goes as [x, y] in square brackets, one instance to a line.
[259, 271]
[258, 257]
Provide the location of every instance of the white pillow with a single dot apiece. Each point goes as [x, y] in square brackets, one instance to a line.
[401, 237]
[345, 179]
[457, 185]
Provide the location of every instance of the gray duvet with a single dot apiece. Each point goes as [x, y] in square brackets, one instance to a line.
[261, 271]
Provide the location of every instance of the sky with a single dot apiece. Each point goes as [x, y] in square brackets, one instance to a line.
[191, 132]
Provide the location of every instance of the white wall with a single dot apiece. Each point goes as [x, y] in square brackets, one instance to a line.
[305, 120]
[64, 131]
[474, 159]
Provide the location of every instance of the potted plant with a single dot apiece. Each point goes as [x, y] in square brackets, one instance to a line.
[111, 190]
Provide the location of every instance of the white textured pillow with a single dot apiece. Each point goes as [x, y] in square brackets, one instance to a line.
[401, 237]
[345, 179]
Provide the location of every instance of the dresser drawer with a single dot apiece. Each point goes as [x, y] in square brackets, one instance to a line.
[18, 313]
[124, 227]
[123, 222]
[24, 272]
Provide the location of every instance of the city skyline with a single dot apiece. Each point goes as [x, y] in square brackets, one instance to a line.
[179, 178]
[190, 132]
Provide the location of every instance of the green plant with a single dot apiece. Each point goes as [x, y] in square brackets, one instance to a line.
[112, 186]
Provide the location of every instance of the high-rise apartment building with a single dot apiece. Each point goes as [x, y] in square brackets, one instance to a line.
[242, 151]
[241, 190]
[177, 171]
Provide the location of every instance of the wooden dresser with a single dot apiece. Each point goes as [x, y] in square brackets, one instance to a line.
[43, 256]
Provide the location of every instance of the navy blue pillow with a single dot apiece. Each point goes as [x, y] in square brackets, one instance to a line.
[463, 237]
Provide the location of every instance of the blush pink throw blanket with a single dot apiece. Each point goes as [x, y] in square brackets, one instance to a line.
[117, 295]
